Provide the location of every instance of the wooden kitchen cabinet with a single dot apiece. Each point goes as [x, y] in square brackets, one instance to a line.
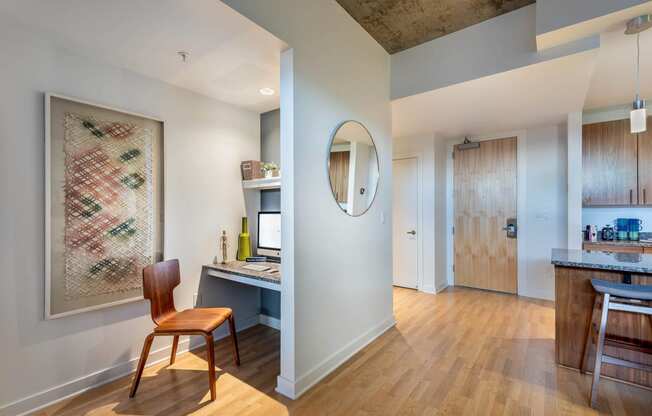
[645, 165]
[647, 250]
[614, 248]
[610, 164]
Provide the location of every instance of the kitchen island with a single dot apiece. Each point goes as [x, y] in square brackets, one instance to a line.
[574, 300]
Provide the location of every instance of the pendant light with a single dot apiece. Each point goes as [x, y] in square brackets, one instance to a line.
[638, 115]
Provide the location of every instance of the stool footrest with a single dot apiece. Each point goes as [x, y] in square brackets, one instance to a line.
[624, 363]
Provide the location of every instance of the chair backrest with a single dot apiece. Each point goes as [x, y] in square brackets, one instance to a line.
[159, 281]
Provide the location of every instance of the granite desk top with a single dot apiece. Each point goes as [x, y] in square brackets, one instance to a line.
[273, 275]
[600, 260]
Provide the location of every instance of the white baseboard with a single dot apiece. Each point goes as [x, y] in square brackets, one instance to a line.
[442, 287]
[285, 387]
[427, 289]
[269, 321]
[331, 363]
[77, 386]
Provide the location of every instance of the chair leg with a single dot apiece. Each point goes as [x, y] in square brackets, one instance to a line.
[588, 339]
[141, 364]
[234, 341]
[175, 344]
[599, 350]
[210, 353]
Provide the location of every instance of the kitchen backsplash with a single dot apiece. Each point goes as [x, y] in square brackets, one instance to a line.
[603, 216]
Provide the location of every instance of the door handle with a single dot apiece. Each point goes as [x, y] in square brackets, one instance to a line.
[413, 232]
[511, 228]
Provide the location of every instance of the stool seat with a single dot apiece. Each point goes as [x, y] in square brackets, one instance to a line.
[622, 290]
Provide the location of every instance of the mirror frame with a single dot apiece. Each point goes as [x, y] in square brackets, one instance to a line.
[328, 165]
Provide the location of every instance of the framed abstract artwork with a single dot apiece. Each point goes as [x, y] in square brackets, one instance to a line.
[103, 204]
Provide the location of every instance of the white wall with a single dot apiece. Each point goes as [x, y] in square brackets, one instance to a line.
[545, 208]
[342, 294]
[574, 179]
[497, 45]
[204, 143]
[604, 216]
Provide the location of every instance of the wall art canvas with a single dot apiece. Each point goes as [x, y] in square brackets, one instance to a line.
[104, 204]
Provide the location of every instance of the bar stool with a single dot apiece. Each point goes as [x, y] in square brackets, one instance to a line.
[616, 297]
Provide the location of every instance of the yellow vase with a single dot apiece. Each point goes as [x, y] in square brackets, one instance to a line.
[244, 242]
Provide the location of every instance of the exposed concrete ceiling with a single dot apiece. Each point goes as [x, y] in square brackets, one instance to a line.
[402, 24]
[530, 96]
[231, 58]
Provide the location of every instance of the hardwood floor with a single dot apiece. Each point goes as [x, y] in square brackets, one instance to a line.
[462, 352]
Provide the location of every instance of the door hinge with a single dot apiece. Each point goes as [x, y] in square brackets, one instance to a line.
[453, 268]
[453, 230]
[453, 155]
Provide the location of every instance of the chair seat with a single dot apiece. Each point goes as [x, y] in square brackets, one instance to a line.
[195, 320]
[622, 290]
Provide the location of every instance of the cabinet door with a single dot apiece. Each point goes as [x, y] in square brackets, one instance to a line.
[645, 165]
[609, 164]
[647, 250]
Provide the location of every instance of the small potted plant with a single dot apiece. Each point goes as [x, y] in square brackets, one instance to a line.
[269, 169]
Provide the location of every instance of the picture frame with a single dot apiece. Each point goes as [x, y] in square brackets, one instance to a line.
[103, 268]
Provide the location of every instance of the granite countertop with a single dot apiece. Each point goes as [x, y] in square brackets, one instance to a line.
[235, 267]
[600, 260]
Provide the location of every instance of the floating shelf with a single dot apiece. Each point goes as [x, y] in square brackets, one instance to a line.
[264, 183]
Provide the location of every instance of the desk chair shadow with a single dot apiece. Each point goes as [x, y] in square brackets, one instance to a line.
[159, 281]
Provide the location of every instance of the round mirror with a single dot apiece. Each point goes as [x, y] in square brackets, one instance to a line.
[353, 168]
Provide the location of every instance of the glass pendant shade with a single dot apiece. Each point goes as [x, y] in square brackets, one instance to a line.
[638, 120]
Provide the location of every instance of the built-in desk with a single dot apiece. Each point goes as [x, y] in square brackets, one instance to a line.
[269, 279]
[242, 290]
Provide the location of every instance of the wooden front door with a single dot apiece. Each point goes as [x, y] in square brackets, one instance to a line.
[485, 199]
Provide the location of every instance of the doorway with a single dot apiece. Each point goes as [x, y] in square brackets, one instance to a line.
[485, 198]
[405, 214]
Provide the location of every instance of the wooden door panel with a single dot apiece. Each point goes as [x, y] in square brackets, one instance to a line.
[338, 169]
[485, 196]
[645, 165]
[609, 164]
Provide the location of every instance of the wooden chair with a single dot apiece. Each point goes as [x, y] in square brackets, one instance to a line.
[615, 297]
[159, 281]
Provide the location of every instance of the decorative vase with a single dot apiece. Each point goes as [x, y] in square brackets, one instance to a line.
[244, 242]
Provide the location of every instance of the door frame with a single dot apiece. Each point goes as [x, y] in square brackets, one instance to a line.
[419, 160]
[521, 194]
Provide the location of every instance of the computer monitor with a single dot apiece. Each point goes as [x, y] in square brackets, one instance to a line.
[269, 234]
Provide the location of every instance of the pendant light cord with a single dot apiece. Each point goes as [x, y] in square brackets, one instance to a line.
[638, 65]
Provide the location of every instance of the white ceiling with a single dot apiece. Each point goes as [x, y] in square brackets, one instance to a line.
[613, 81]
[231, 58]
[530, 96]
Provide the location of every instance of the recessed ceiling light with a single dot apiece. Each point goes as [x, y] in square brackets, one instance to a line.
[266, 91]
